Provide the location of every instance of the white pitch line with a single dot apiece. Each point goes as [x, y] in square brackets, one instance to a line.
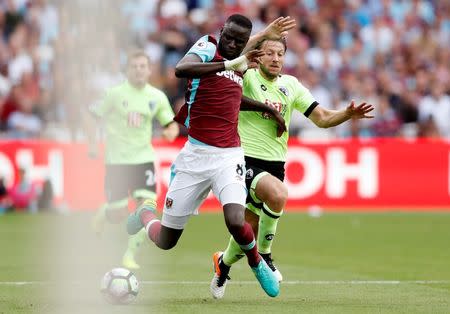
[292, 282]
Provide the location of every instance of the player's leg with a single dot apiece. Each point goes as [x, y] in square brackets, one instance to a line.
[186, 193]
[142, 186]
[273, 193]
[233, 252]
[116, 192]
[229, 187]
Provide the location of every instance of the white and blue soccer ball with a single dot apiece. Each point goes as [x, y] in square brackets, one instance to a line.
[119, 286]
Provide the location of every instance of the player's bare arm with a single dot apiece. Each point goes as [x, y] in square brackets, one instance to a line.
[192, 65]
[325, 118]
[248, 104]
[275, 30]
[171, 131]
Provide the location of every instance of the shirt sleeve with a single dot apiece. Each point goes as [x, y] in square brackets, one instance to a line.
[303, 98]
[203, 48]
[164, 113]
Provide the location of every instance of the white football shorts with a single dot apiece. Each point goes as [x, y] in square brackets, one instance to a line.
[196, 171]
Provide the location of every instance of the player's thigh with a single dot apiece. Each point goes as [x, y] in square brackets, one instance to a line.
[270, 188]
[229, 183]
[185, 194]
[117, 182]
[142, 180]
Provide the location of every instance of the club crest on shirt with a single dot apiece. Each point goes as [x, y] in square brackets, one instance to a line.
[201, 45]
[125, 104]
[284, 90]
[169, 202]
[151, 105]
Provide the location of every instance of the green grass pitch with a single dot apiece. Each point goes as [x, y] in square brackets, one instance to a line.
[338, 263]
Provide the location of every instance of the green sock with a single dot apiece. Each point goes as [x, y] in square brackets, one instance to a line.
[268, 221]
[135, 241]
[233, 253]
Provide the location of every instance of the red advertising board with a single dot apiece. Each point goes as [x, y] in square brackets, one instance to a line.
[379, 174]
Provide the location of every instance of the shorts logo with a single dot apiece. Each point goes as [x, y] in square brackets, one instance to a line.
[284, 90]
[249, 175]
[263, 87]
[269, 237]
[169, 202]
[240, 169]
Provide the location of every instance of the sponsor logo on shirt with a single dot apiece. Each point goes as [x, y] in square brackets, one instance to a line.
[275, 104]
[134, 119]
[229, 74]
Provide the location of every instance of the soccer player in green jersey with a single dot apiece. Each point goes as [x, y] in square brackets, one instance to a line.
[127, 111]
[265, 153]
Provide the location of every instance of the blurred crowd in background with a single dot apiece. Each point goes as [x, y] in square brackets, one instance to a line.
[57, 57]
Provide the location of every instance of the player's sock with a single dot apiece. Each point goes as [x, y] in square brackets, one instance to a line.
[233, 253]
[134, 242]
[268, 220]
[153, 229]
[246, 240]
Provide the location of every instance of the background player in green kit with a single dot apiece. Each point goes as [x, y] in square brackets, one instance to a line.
[265, 153]
[127, 111]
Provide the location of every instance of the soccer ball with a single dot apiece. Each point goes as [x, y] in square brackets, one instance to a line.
[119, 286]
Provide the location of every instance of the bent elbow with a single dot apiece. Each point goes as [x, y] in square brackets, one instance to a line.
[178, 72]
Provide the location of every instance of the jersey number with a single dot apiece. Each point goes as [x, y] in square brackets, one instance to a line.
[150, 180]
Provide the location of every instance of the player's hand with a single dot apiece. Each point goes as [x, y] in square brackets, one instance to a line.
[279, 28]
[170, 132]
[281, 124]
[359, 112]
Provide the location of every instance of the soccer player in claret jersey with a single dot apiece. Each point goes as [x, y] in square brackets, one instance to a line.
[212, 158]
[265, 153]
[127, 111]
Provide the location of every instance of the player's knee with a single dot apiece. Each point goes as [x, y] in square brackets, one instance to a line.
[278, 198]
[166, 246]
[234, 217]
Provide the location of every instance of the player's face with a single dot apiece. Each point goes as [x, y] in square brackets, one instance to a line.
[233, 39]
[138, 71]
[273, 59]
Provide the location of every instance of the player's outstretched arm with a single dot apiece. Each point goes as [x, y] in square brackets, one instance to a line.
[325, 118]
[277, 29]
[248, 104]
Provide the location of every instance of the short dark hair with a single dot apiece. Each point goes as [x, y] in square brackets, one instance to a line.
[239, 20]
[281, 40]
